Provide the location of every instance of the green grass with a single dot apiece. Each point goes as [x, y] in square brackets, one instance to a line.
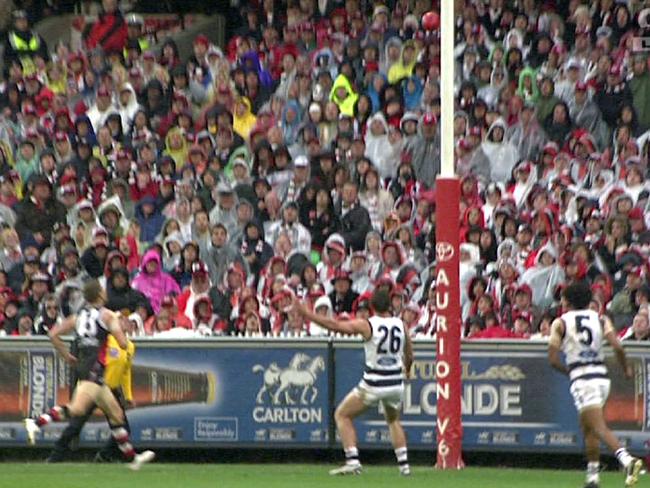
[27, 475]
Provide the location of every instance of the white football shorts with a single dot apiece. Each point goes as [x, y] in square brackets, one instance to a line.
[389, 396]
[590, 393]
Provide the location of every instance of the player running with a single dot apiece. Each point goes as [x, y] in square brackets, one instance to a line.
[93, 324]
[117, 376]
[388, 360]
[579, 333]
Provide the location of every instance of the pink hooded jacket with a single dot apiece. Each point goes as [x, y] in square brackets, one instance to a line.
[155, 286]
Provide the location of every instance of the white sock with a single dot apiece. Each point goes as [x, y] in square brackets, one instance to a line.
[593, 472]
[352, 456]
[402, 457]
[624, 457]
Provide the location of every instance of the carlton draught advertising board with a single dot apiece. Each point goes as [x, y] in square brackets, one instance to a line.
[512, 400]
[186, 393]
[219, 392]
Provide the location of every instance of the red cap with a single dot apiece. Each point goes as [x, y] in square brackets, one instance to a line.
[475, 131]
[525, 315]
[550, 148]
[30, 133]
[99, 232]
[581, 85]
[202, 39]
[429, 119]
[168, 301]
[31, 77]
[148, 55]
[339, 12]
[135, 72]
[525, 289]
[341, 275]
[103, 92]
[29, 110]
[60, 137]
[199, 268]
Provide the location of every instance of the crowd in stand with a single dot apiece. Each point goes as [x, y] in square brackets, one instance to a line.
[301, 158]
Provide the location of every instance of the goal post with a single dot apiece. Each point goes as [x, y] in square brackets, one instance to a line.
[448, 313]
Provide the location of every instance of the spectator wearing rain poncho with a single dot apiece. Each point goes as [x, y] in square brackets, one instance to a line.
[176, 146]
[526, 135]
[322, 306]
[412, 89]
[496, 157]
[291, 122]
[153, 282]
[392, 54]
[403, 68]
[243, 118]
[544, 277]
[527, 86]
[343, 95]
[470, 259]
[379, 149]
[128, 106]
[490, 93]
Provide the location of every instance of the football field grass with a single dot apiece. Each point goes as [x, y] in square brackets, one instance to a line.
[31, 475]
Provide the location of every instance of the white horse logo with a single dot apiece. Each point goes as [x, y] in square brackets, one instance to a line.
[284, 380]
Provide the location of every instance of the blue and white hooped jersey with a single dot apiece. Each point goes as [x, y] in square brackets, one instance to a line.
[582, 345]
[385, 353]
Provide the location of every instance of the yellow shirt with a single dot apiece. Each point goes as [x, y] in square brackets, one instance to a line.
[118, 366]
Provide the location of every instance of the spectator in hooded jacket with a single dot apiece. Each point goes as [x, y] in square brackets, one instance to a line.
[153, 282]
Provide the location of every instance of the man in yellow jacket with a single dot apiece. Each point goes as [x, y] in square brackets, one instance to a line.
[117, 376]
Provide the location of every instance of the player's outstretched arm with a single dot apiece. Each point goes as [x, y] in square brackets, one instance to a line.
[554, 345]
[62, 329]
[408, 355]
[350, 327]
[619, 352]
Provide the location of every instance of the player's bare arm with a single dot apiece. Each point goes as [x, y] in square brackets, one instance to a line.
[619, 352]
[112, 320]
[349, 327]
[554, 345]
[65, 327]
[408, 356]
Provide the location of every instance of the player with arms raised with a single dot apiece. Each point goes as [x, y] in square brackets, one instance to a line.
[92, 325]
[579, 334]
[388, 360]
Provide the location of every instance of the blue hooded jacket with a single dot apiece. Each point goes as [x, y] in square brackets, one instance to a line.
[251, 61]
[290, 130]
[412, 98]
[149, 226]
[375, 96]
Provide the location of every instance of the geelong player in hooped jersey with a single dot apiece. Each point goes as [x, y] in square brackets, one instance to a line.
[579, 334]
[388, 361]
[92, 325]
